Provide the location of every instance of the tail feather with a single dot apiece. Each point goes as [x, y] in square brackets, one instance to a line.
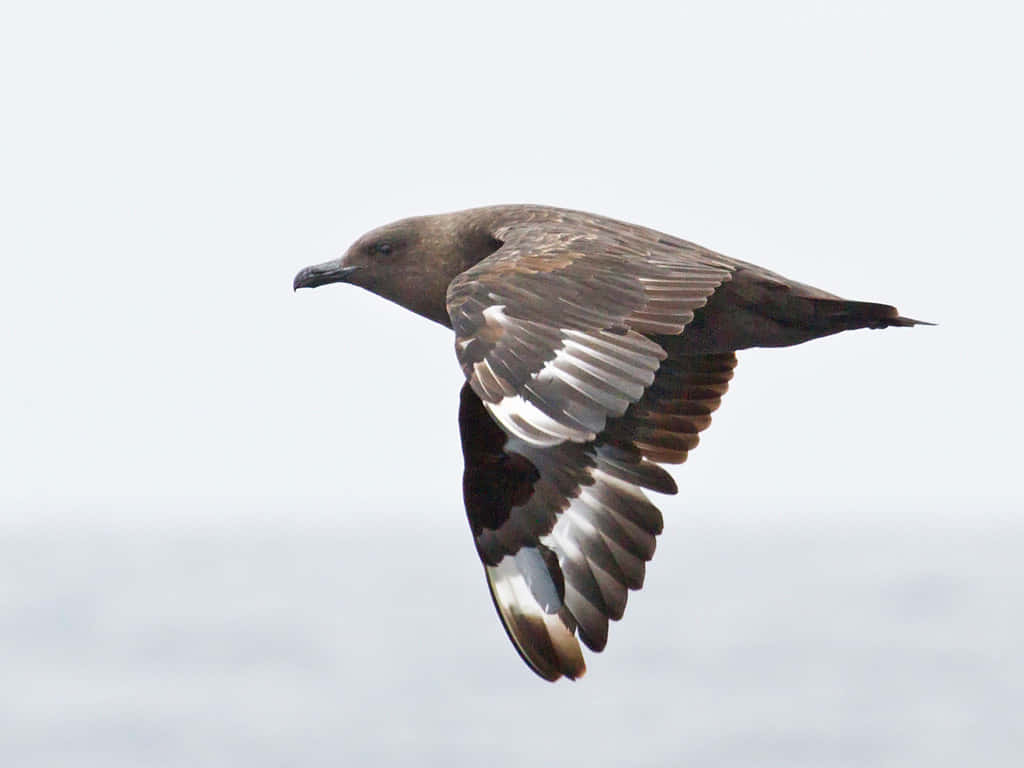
[842, 315]
[907, 322]
[758, 310]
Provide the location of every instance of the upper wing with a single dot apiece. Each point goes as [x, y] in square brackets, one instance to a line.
[550, 327]
[564, 530]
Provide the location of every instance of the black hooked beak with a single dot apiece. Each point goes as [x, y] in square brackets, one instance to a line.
[321, 274]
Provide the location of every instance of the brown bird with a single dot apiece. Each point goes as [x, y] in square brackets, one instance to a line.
[594, 350]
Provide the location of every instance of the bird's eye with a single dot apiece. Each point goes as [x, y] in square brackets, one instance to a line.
[384, 249]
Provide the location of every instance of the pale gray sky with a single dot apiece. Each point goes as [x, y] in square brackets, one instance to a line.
[166, 172]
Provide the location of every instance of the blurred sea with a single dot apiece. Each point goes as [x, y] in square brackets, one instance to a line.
[781, 633]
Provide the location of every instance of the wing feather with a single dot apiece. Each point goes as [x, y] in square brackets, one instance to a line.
[574, 391]
[565, 530]
[552, 328]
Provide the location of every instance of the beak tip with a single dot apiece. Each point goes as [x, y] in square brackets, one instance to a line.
[309, 277]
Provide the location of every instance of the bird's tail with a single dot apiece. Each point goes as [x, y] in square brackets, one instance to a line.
[843, 315]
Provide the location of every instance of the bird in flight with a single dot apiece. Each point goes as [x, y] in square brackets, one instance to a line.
[594, 351]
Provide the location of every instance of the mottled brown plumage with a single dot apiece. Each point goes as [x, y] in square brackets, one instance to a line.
[594, 350]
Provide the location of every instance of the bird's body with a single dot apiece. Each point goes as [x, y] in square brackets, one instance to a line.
[594, 350]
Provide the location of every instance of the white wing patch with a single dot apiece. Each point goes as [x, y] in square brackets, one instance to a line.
[537, 577]
[592, 376]
[601, 548]
[528, 422]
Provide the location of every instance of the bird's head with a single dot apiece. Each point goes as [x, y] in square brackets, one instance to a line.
[410, 262]
[374, 259]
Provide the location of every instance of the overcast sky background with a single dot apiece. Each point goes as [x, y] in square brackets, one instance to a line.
[166, 171]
